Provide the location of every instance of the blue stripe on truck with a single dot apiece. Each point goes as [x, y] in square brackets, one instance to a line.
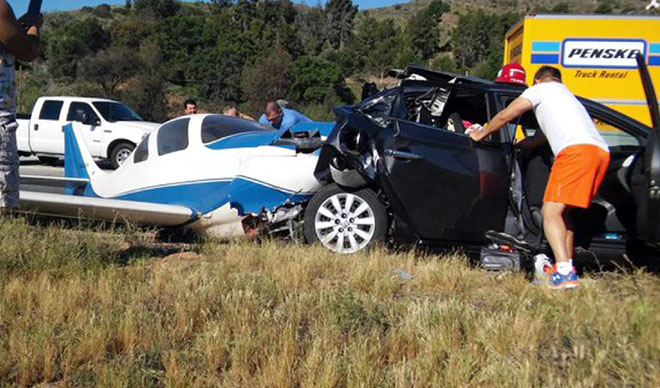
[546, 46]
[545, 59]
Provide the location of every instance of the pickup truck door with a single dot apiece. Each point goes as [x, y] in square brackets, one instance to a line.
[645, 181]
[46, 134]
[90, 125]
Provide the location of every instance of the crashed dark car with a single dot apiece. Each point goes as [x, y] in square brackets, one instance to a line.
[400, 168]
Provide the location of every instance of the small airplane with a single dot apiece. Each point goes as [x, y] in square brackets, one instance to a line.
[206, 172]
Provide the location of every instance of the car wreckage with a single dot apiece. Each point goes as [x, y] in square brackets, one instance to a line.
[214, 174]
[399, 166]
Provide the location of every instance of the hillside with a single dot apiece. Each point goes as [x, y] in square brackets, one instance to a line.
[157, 53]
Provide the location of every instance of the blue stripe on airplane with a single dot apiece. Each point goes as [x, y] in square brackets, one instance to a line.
[201, 197]
[244, 195]
[248, 196]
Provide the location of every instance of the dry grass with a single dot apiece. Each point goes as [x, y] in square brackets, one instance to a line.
[79, 308]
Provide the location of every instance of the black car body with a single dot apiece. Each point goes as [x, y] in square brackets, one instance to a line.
[441, 189]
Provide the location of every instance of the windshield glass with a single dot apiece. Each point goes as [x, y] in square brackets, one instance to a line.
[114, 111]
[218, 126]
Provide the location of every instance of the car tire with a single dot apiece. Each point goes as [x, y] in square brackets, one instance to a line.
[359, 222]
[120, 153]
[49, 160]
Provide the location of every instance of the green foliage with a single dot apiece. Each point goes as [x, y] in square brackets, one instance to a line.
[160, 8]
[109, 69]
[423, 29]
[68, 43]
[339, 16]
[227, 51]
[443, 62]
[478, 40]
[561, 8]
[313, 79]
[267, 79]
[377, 43]
[147, 91]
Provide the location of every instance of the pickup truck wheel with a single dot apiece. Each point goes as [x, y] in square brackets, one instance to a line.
[120, 153]
[49, 160]
[345, 221]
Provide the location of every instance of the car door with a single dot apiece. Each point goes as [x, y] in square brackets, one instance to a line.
[645, 182]
[46, 128]
[449, 187]
[90, 124]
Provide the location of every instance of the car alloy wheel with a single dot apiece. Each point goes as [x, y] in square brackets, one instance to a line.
[345, 223]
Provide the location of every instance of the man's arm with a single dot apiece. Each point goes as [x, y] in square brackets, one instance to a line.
[263, 120]
[519, 106]
[23, 45]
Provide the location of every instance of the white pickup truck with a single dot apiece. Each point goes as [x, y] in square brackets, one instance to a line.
[111, 129]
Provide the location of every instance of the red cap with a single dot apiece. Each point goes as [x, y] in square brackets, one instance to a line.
[513, 73]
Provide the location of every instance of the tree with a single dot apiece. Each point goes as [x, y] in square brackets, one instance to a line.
[443, 62]
[72, 43]
[339, 17]
[423, 29]
[309, 27]
[377, 43]
[148, 89]
[160, 8]
[480, 34]
[109, 69]
[267, 79]
[314, 79]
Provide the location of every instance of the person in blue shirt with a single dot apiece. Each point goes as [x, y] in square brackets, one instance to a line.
[281, 118]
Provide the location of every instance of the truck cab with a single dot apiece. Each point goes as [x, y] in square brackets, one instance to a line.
[111, 129]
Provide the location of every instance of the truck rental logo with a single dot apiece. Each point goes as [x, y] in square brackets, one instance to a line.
[602, 53]
[595, 53]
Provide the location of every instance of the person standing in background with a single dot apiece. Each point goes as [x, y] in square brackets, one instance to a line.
[19, 40]
[190, 107]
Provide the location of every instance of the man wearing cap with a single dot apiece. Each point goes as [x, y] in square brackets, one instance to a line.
[281, 118]
[581, 160]
[19, 39]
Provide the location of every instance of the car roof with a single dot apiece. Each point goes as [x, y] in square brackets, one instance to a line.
[444, 77]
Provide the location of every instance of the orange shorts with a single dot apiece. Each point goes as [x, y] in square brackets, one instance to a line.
[576, 175]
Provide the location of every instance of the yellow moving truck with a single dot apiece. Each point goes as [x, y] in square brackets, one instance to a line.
[595, 53]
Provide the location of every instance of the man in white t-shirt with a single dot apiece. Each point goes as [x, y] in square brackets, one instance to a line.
[581, 161]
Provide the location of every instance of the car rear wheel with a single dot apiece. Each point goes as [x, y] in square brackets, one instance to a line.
[345, 221]
[120, 153]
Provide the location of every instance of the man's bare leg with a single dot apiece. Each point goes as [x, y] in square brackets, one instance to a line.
[555, 229]
[570, 231]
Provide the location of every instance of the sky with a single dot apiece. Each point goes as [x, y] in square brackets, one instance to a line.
[20, 6]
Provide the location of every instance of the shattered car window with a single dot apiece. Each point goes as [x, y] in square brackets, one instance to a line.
[427, 107]
[379, 106]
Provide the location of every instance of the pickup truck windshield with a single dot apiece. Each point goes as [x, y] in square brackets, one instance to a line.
[113, 112]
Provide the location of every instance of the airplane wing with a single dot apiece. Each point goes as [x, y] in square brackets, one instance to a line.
[63, 205]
